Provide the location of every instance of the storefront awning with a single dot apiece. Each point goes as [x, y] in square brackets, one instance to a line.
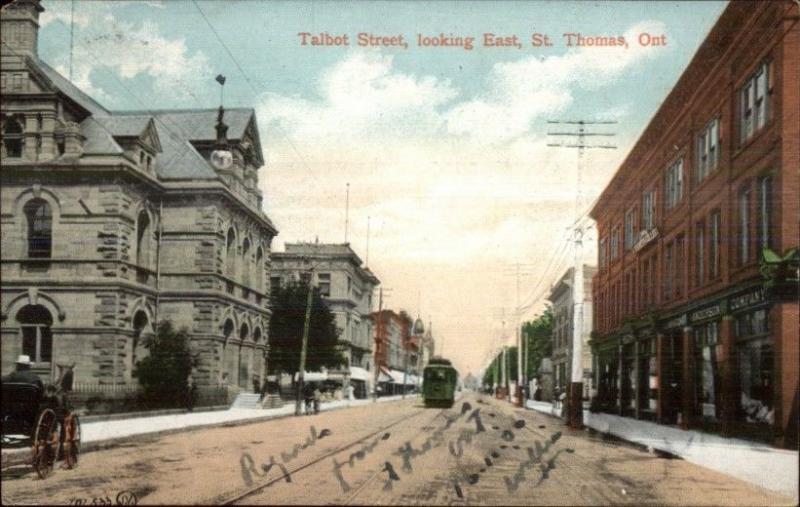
[358, 373]
[397, 376]
[384, 375]
[312, 376]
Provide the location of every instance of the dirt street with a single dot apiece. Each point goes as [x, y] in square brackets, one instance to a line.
[481, 452]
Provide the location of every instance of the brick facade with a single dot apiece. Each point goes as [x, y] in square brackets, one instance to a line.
[687, 330]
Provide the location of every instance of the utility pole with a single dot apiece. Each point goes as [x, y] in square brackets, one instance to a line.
[347, 212]
[306, 323]
[575, 398]
[378, 341]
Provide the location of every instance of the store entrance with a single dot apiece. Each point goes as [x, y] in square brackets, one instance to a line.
[672, 378]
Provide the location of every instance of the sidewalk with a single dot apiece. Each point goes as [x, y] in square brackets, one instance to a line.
[753, 462]
[103, 433]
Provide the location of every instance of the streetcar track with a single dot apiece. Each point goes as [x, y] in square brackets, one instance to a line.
[369, 479]
[258, 488]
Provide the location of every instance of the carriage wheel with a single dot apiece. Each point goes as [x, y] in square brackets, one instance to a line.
[45, 443]
[72, 440]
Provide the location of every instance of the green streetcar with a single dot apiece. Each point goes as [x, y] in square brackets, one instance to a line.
[439, 383]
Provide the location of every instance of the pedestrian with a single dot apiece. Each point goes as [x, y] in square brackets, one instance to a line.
[350, 391]
[308, 396]
[317, 399]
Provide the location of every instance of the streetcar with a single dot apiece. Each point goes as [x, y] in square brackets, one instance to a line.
[439, 383]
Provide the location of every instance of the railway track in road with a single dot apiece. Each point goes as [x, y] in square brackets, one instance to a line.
[255, 489]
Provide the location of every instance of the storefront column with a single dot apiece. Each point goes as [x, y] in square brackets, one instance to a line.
[687, 394]
[785, 334]
[726, 357]
[660, 368]
[620, 406]
[637, 375]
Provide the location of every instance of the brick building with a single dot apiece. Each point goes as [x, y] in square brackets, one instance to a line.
[115, 220]
[696, 297]
[346, 286]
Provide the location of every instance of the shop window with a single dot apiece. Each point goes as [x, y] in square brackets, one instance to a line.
[648, 379]
[40, 228]
[706, 372]
[37, 337]
[756, 360]
[13, 140]
[608, 383]
[629, 384]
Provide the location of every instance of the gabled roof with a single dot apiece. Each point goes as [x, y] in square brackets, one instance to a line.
[98, 140]
[140, 127]
[198, 124]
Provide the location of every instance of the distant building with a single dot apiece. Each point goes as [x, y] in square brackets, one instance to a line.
[346, 286]
[562, 301]
[113, 221]
[696, 297]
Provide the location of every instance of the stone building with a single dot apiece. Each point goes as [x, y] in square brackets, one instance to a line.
[696, 295]
[347, 287]
[113, 221]
[563, 306]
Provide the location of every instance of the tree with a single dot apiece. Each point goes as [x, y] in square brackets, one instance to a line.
[164, 373]
[538, 335]
[286, 331]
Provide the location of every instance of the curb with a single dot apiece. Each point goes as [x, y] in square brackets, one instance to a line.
[16, 457]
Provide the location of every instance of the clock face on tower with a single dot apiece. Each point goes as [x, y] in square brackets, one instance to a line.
[221, 159]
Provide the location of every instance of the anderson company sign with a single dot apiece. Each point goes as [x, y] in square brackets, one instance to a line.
[645, 237]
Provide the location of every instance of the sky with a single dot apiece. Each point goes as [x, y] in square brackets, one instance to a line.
[452, 187]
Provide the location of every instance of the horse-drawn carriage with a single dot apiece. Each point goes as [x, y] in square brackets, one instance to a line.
[42, 416]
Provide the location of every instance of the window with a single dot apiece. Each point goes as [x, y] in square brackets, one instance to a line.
[140, 323]
[324, 284]
[648, 210]
[708, 149]
[143, 239]
[259, 269]
[714, 247]
[615, 243]
[37, 337]
[602, 253]
[674, 184]
[679, 265]
[13, 140]
[707, 374]
[246, 262]
[744, 226]
[755, 101]
[756, 361]
[764, 202]
[40, 228]
[274, 283]
[230, 252]
[630, 229]
[669, 270]
[700, 253]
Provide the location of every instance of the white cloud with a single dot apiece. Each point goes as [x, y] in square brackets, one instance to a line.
[103, 42]
[523, 91]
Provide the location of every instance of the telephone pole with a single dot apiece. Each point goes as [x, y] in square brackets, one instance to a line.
[304, 345]
[575, 398]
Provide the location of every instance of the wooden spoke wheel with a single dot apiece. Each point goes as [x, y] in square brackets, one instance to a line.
[72, 440]
[45, 443]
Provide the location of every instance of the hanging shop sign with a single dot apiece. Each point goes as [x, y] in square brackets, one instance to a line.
[645, 237]
[679, 321]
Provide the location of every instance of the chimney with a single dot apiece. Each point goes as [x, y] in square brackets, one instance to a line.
[20, 26]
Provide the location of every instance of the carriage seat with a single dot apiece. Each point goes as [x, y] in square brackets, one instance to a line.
[21, 402]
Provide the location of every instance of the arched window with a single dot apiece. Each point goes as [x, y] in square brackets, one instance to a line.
[257, 335]
[37, 337]
[244, 334]
[143, 236]
[13, 139]
[259, 270]
[246, 262]
[227, 334]
[40, 228]
[230, 252]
